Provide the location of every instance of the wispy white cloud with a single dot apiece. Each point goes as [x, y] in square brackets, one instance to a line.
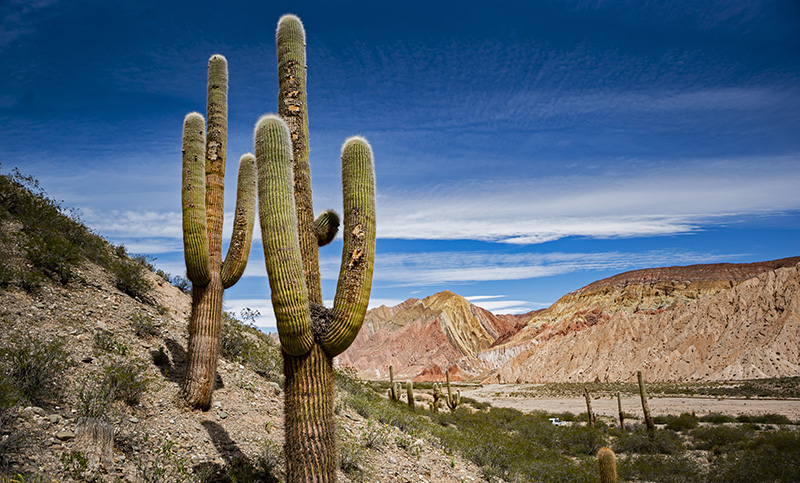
[432, 268]
[661, 201]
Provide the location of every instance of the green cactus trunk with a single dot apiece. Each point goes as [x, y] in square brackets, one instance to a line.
[648, 419]
[310, 335]
[310, 425]
[607, 465]
[202, 199]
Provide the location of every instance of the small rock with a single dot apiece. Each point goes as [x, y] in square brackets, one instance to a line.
[134, 420]
[222, 415]
[87, 360]
[65, 435]
[54, 418]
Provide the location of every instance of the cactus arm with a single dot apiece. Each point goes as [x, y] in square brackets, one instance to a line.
[216, 148]
[279, 235]
[193, 200]
[293, 108]
[358, 253]
[242, 237]
[326, 226]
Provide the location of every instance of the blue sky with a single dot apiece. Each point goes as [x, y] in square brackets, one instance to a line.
[523, 149]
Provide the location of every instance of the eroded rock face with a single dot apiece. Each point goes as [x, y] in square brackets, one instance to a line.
[605, 331]
[749, 331]
[414, 337]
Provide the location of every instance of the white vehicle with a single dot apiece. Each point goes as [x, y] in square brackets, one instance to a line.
[558, 422]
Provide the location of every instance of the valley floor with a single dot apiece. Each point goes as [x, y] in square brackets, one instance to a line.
[513, 396]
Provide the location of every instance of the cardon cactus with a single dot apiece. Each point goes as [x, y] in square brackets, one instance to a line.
[410, 395]
[437, 395]
[607, 465]
[204, 152]
[394, 389]
[310, 334]
[452, 400]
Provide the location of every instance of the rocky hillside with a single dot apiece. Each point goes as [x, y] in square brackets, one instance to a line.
[69, 323]
[647, 291]
[749, 331]
[423, 338]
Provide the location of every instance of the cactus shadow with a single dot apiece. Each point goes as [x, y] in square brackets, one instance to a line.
[176, 372]
[222, 441]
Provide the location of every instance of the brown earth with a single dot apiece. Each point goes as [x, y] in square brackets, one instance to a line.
[246, 418]
[750, 331]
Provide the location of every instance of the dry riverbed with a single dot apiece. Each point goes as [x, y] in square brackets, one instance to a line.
[509, 395]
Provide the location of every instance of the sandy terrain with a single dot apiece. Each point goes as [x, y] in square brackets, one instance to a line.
[607, 406]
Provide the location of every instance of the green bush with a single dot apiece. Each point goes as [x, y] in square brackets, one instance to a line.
[639, 441]
[683, 422]
[129, 273]
[94, 398]
[717, 418]
[105, 341]
[144, 325]
[127, 381]
[33, 367]
[251, 347]
[660, 469]
[770, 418]
[771, 456]
[720, 439]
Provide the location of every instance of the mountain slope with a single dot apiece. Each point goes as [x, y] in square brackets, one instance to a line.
[749, 331]
[432, 334]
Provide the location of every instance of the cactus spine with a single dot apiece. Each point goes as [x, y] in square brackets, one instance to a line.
[648, 419]
[607, 464]
[589, 406]
[452, 400]
[204, 152]
[310, 335]
[410, 395]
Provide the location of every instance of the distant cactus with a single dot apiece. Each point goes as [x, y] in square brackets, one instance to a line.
[452, 400]
[310, 334]
[394, 390]
[589, 406]
[410, 395]
[621, 414]
[204, 152]
[607, 464]
[437, 395]
[648, 419]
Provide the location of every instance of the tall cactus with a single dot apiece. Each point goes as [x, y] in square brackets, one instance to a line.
[202, 199]
[310, 334]
[437, 394]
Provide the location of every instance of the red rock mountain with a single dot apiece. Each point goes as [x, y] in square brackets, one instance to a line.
[716, 321]
[425, 337]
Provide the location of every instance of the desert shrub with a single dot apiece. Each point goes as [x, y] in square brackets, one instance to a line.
[144, 325]
[770, 418]
[581, 440]
[353, 460]
[250, 346]
[32, 366]
[639, 441]
[659, 469]
[127, 381]
[105, 341]
[771, 456]
[129, 273]
[375, 435]
[20, 478]
[683, 422]
[720, 439]
[94, 398]
[717, 418]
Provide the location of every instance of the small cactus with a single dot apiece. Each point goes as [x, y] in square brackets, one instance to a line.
[410, 395]
[437, 395]
[394, 388]
[648, 419]
[607, 464]
[452, 400]
[589, 406]
[621, 414]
